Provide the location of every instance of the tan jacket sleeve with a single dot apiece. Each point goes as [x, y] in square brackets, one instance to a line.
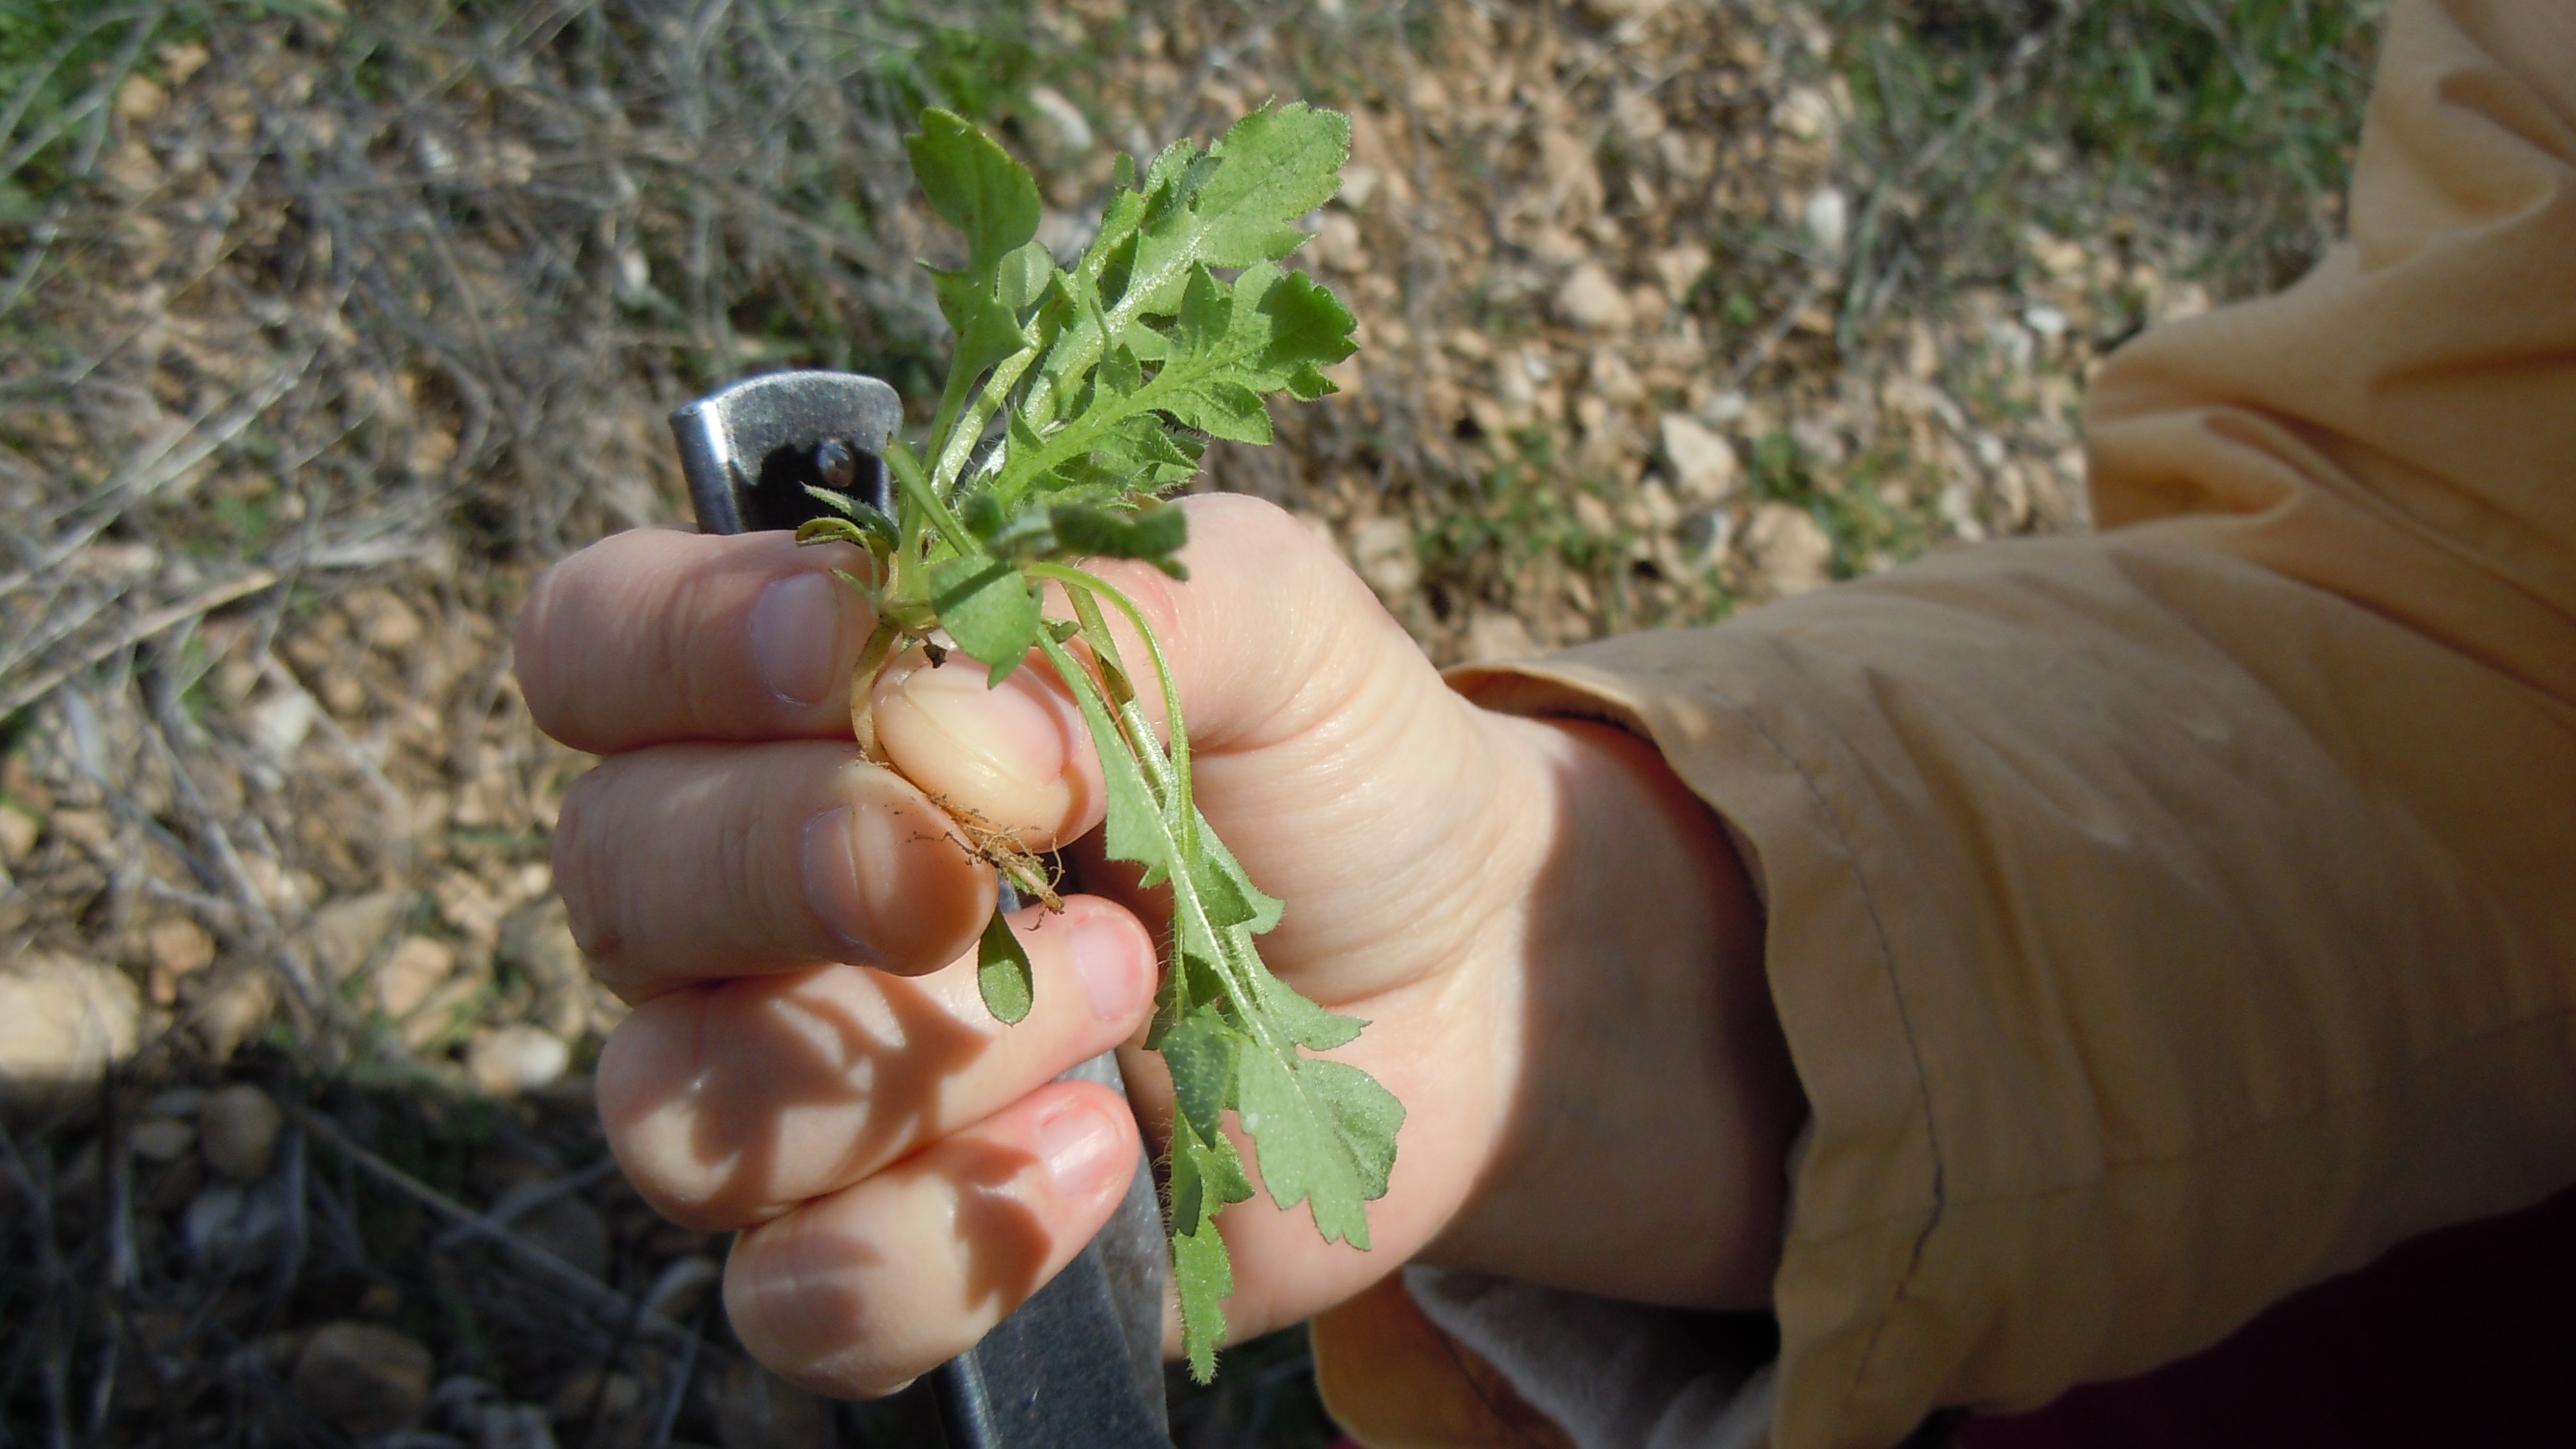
[2165, 920]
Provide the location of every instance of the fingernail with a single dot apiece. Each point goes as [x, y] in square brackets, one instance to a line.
[1081, 1150]
[795, 624]
[835, 887]
[1111, 968]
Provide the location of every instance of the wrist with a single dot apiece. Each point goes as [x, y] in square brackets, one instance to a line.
[1645, 1094]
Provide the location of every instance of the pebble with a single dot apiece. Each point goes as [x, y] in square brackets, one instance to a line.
[517, 1059]
[1703, 536]
[567, 1227]
[63, 1022]
[18, 834]
[1072, 129]
[536, 941]
[1704, 464]
[683, 1286]
[233, 1009]
[1590, 300]
[179, 946]
[362, 1378]
[1493, 634]
[1382, 551]
[345, 933]
[237, 1132]
[230, 1229]
[161, 1139]
[1790, 547]
[416, 968]
[1828, 219]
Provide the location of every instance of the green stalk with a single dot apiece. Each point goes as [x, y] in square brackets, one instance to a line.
[1188, 816]
[958, 444]
[917, 493]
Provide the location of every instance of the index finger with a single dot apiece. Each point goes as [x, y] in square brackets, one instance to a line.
[656, 636]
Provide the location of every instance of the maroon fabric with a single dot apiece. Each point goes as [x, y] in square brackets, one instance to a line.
[2466, 1336]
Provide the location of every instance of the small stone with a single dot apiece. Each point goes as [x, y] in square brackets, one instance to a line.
[179, 947]
[567, 1227]
[512, 1426]
[233, 1008]
[1072, 129]
[1725, 408]
[237, 1132]
[232, 1229]
[161, 1139]
[415, 969]
[1382, 550]
[345, 933]
[279, 723]
[1828, 219]
[91, 830]
[180, 60]
[382, 621]
[362, 1378]
[1591, 300]
[180, 1102]
[1613, 379]
[341, 693]
[1703, 463]
[138, 99]
[516, 1059]
[682, 1288]
[1703, 536]
[619, 1396]
[1679, 268]
[449, 1006]
[63, 1023]
[536, 941]
[1805, 113]
[18, 834]
[1791, 549]
[1493, 634]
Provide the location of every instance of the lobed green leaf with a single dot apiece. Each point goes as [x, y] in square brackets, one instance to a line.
[986, 605]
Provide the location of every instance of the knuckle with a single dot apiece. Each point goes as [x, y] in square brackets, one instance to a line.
[676, 655]
[584, 874]
[533, 657]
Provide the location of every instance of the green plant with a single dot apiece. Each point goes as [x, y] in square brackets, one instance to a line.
[1074, 398]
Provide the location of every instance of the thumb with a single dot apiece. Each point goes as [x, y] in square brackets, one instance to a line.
[1272, 634]
[1014, 758]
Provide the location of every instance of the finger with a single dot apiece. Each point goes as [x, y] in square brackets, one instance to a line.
[655, 635]
[858, 1293]
[729, 1104]
[1271, 634]
[1016, 759]
[692, 861]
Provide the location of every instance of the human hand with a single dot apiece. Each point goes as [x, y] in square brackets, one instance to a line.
[1554, 945]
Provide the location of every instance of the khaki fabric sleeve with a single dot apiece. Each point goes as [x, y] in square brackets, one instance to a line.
[2165, 920]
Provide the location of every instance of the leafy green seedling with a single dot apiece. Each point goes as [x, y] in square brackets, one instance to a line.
[1075, 398]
